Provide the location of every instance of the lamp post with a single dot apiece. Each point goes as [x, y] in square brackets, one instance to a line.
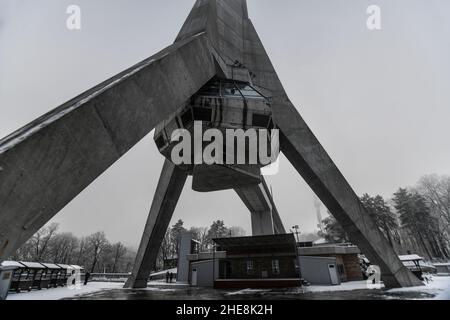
[297, 232]
[214, 264]
[297, 241]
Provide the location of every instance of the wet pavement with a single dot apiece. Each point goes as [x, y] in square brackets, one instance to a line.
[156, 293]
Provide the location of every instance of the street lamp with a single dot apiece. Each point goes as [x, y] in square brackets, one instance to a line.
[297, 232]
[214, 263]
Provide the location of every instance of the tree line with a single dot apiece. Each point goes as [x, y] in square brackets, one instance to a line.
[414, 220]
[202, 235]
[97, 254]
[93, 252]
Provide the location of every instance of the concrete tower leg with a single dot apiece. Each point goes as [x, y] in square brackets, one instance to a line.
[47, 163]
[168, 192]
[310, 159]
[264, 214]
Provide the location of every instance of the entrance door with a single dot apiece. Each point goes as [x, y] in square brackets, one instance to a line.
[333, 274]
[194, 277]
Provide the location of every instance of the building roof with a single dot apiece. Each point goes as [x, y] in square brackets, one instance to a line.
[328, 250]
[51, 266]
[12, 264]
[269, 242]
[443, 264]
[32, 265]
[410, 257]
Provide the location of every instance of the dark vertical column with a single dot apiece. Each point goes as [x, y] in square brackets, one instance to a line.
[168, 192]
[264, 214]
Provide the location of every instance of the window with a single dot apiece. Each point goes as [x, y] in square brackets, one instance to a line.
[248, 91]
[211, 89]
[250, 267]
[186, 118]
[160, 142]
[260, 120]
[202, 114]
[229, 89]
[275, 266]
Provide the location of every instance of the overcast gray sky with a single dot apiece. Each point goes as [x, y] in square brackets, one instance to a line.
[379, 101]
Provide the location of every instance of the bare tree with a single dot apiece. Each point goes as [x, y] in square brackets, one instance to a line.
[41, 239]
[119, 251]
[201, 235]
[237, 231]
[436, 190]
[62, 248]
[97, 243]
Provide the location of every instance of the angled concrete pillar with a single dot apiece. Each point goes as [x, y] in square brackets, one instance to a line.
[310, 159]
[312, 162]
[264, 215]
[168, 192]
[47, 163]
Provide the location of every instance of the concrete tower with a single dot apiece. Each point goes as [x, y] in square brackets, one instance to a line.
[47, 163]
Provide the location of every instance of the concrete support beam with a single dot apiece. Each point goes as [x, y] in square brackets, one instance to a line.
[313, 163]
[264, 214]
[47, 163]
[168, 192]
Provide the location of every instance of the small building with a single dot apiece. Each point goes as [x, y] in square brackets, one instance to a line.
[344, 256]
[268, 261]
[417, 265]
[247, 262]
[442, 269]
[320, 270]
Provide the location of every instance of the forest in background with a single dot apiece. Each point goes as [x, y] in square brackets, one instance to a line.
[414, 220]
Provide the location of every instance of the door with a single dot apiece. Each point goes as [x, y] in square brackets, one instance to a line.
[194, 277]
[333, 274]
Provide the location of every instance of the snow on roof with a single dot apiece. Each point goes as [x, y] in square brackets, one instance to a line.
[410, 257]
[32, 265]
[443, 264]
[174, 270]
[64, 266]
[51, 266]
[320, 241]
[74, 266]
[11, 264]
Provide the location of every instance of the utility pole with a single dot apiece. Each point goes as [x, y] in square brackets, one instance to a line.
[297, 232]
[297, 241]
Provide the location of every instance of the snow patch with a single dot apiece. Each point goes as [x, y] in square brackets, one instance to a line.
[62, 293]
[246, 292]
[438, 286]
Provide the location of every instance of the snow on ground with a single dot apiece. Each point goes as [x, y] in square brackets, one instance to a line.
[64, 292]
[163, 283]
[346, 286]
[246, 292]
[438, 286]
[90, 288]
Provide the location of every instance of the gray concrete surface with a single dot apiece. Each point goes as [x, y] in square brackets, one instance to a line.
[47, 163]
[169, 189]
[50, 161]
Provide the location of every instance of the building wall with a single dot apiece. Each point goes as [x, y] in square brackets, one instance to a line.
[315, 269]
[238, 268]
[348, 266]
[184, 249]
[204, 273]
[352, 267]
